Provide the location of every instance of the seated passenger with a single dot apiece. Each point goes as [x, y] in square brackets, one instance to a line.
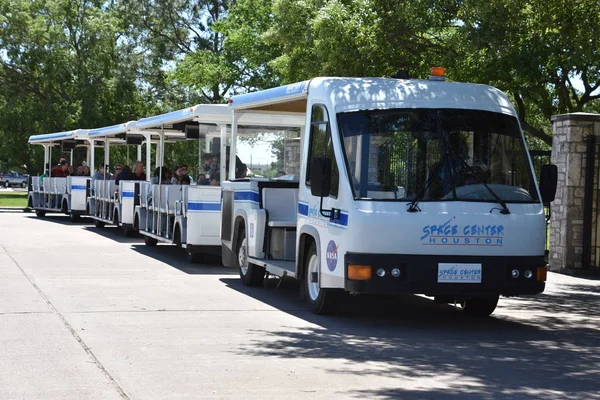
[125, 175]
[162, 173]
[138, 171]
[215, 179]
[118, 169]
[61, 171]
[100, 174]
[241, 171]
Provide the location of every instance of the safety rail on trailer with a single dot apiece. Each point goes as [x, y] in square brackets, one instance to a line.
[58, 194]
[406, 186]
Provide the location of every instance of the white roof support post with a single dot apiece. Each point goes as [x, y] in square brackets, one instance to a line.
[223, 150]
[232, 147]
[47, 159]
[148, 156]
[106, 152]
[50, 159]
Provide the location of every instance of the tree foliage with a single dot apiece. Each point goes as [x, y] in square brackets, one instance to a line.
[87, 63]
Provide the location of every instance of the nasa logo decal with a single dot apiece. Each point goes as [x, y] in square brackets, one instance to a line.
[332, 255]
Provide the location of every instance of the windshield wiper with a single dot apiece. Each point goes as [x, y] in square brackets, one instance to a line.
[413, 205]
[505, 209]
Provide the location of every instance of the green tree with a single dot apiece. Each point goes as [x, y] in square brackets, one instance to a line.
[63, 65]
[534, 50]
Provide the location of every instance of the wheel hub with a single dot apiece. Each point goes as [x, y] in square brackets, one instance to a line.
[313, 287]
[243, 257]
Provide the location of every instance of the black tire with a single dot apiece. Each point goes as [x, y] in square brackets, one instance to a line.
[40, 213]
[6, 184]
[195, 258]
[250, 274]
[150, 241]
[321, 301]
[23, 184]
[479, 307]
[177, 238]
[74, 217]
[99, 224]
[129, 233]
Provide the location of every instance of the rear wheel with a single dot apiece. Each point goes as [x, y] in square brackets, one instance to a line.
[6, 184]
[321, 301]
[40, 213]
[480, 307]
[150, 241]
[23, 184]
[99, 224]
[177, 238]
[251, 274]
[74, 217]
[195, 258]
[129, 233]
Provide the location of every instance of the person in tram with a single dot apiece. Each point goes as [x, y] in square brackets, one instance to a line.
[118, 169]
[78, 170]
[61, 171]
[86, 169]
[202, 180]
[125, 175]
[208, 159]
[101, 175]
[181, 175]
[138, 170]
[215, 179]
[161, 173]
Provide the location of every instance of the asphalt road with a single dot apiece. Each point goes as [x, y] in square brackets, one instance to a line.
[86, 313]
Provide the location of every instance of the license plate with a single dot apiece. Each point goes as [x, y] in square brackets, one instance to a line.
[459, 273]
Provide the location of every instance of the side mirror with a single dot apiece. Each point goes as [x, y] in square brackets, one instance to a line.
[548, 182]
[320, 176]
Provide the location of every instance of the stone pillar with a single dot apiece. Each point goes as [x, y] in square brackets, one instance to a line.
[569, 155]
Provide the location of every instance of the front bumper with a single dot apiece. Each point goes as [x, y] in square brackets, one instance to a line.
[419, 275]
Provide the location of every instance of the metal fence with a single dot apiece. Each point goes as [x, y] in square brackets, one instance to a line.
[591, 207]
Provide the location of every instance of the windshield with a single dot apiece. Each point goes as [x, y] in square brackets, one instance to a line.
[436, 154]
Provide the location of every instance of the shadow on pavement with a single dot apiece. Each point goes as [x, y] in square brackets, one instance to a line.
[552, 351]
[177, 258]
[61, 219]
[114, 233]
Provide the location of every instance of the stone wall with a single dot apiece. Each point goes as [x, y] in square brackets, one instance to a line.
[569, 155]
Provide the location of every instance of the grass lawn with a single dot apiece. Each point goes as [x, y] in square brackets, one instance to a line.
[13, 199]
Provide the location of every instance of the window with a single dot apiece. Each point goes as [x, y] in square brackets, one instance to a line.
[320, 145]
[444, 154]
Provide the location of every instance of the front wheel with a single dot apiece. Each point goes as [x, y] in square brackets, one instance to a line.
[99, 224]
[321, 301]
[6, 184]
[251, 274]
[40, 213]
[74, 217]
[23, 185]
[479, 307]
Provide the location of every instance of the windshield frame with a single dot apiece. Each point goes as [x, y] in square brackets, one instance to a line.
[536, 198]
